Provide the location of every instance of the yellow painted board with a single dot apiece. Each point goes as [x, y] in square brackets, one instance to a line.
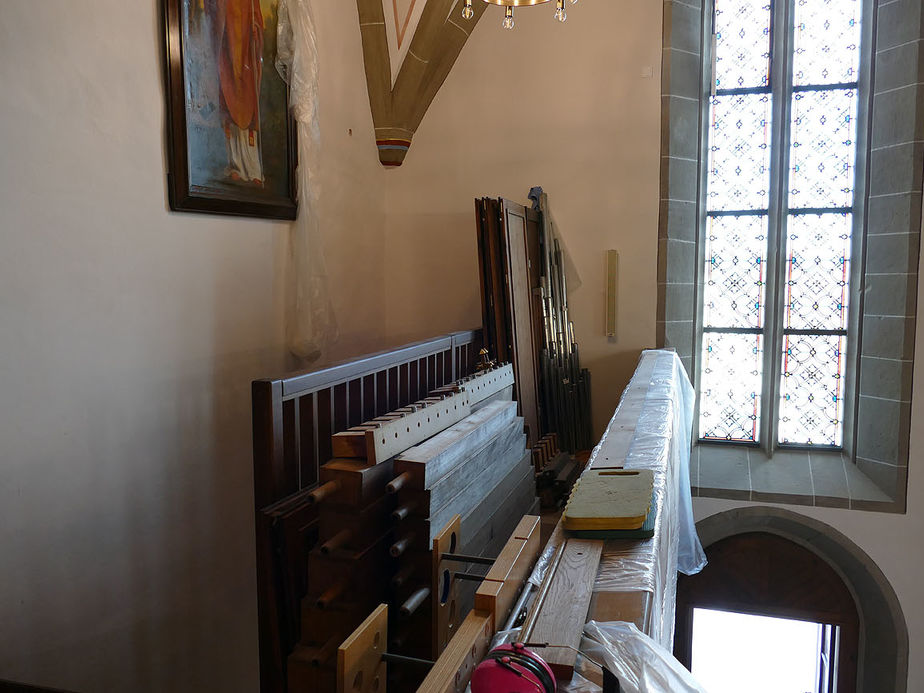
[609, 499]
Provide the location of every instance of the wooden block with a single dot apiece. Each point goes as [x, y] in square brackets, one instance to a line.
[358, 483]
[388, 436]
[365, 525]
[350, 567]
[504, 581]
[436, 457]
[609, 499]
[352, 442]
[563, 610]
[453, 669]
[360, 667]
[305, 677]
[634, 607]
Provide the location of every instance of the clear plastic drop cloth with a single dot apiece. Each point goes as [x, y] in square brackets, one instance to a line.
[641, 664]
[660, 441]
[311, 326]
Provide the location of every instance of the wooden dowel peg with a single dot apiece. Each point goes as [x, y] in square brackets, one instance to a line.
[398, 483]
[400, 546]
[402, 576]
[330, 595]
[325, 652]
[339, 540]
[323, 491]
[402, 511]
[414, 601]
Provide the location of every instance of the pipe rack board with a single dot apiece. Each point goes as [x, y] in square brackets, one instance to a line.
[379, 439]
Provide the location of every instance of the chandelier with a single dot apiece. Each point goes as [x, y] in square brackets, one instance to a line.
[560, 14]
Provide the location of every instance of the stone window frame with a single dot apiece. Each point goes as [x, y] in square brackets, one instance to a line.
[872, 472]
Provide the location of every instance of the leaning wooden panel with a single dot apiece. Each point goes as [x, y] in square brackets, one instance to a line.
[360, 668]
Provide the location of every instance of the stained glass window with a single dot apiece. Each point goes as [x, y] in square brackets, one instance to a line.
[826, 35]
[730, 387]
[823, 149]
[736, 263]
[742, 38]
[739, 152]
[779, 225]
[818, 271]
[812, 390]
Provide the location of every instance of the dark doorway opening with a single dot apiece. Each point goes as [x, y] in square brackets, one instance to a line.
[763, 574]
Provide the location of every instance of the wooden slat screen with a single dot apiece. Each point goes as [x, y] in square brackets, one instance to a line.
[294, 417]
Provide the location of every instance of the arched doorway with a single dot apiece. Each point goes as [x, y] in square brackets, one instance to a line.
[812, 546]
[767, 575]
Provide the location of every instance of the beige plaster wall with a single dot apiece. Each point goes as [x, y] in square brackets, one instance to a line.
[572, 107]
[128, 339]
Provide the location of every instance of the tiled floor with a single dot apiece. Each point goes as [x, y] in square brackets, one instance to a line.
[826, 479]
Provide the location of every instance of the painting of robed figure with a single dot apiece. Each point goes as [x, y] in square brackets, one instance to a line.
[232, 141]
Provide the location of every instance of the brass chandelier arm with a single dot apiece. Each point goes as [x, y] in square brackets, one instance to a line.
[508, 23]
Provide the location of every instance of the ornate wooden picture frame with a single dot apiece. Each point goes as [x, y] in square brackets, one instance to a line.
[231, 137]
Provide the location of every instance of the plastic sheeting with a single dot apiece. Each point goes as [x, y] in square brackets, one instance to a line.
[640, 664]
[311, 327]
[660, 442]
[651, 429]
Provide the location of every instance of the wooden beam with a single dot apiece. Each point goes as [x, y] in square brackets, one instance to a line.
[438, 39]
[436, 457]
[503, 582]
[563, 610]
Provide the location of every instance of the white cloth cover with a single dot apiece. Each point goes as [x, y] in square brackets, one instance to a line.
[311, 327]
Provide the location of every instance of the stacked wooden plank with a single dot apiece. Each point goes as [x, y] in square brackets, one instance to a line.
[479, 471]
[375, 546]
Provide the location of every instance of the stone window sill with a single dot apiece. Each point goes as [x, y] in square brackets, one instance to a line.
[817, 478]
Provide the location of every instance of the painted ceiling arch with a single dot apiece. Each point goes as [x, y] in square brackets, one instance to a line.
[409, 47]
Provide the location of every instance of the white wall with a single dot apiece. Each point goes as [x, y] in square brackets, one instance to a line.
[128, 339]
[564, 106]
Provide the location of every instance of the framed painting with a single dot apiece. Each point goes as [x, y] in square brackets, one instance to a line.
[231, 138]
